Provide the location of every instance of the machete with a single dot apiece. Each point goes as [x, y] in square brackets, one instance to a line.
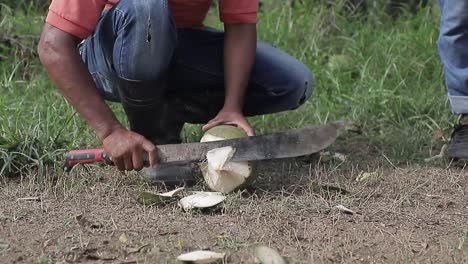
[288, 144]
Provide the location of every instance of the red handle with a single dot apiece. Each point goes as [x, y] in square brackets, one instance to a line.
[85, 156]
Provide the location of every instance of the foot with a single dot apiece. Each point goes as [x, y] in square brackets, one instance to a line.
[172, 174]
[458, 147]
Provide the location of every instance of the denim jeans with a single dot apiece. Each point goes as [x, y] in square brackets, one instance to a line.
[453, 49]
[138, 40]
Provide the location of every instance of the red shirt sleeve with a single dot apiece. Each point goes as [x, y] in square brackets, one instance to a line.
[238, 11]
[77, 17]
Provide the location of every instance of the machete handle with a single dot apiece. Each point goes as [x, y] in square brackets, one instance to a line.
[85, 156]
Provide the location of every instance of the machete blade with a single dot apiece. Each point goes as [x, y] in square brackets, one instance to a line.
[292, 143]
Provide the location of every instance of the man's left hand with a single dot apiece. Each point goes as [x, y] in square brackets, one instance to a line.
[231, 118]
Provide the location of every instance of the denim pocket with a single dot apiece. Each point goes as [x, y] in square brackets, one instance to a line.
[106, 87]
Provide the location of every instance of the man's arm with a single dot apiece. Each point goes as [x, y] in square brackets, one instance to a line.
[240, 43]
[59, 55]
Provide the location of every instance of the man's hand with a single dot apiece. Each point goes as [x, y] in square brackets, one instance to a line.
[126, 149]
[231, 118]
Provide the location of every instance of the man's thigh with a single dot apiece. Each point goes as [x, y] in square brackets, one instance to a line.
[278, 81]
[133, 40]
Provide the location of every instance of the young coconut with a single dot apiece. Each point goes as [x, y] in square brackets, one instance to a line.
[221, 174]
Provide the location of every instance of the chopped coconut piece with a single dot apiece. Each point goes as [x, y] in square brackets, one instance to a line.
[218, 157]
[201, 200]
[220, 173]
[201, 256]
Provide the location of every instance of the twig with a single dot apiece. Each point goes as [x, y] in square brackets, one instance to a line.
[36, 199]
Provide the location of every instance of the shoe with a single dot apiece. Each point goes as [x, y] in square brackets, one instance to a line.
[151, 115]
[458, 146]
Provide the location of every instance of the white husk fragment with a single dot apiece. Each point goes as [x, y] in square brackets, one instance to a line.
[222, 180]
[221, 174]
[266, 255]
[201, 256]
[201, 200]
[224, 175]
[172, 193]
[344, 209]
[217, 158]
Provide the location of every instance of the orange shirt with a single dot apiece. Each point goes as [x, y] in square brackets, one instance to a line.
[80, 17]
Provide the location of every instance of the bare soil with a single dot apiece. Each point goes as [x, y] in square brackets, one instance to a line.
[403, 214]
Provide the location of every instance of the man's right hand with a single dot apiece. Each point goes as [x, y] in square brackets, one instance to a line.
[126, 149]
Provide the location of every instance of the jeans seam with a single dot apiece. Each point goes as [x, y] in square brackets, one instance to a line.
[125, 20]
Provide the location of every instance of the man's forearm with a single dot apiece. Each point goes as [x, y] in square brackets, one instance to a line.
[240, 45]
[58, 53]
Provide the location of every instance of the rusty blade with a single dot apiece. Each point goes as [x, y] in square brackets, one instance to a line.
[288, 144]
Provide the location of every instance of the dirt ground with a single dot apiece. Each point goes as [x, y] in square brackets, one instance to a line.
[403, 214]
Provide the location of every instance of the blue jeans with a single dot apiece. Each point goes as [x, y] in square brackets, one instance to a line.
[137, 40]
[453, 49]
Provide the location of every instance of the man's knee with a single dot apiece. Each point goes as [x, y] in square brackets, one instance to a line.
[300, 88]
[150, 39]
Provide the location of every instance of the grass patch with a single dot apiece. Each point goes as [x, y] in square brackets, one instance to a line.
[390, 82]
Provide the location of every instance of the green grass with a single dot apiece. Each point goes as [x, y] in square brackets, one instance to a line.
[392, 83]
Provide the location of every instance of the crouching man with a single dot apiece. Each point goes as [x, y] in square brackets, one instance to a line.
[166, 68]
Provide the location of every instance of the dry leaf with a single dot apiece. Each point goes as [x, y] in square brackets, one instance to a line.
[123, 239]
[4, 246]
[149, 198]
[266, 255]
[353, 127]
[364, 176]
[439, 134]
[328, 156]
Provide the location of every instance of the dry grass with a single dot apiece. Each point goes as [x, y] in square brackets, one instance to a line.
[411, 214]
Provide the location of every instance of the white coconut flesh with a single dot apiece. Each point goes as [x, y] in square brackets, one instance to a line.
[220, 173]
[201, 257]
[201, 200]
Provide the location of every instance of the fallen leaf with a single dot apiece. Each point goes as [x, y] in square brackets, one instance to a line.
[123, 239]
[266, 255]
[201, 200]
[339, 156]
[344, 210]
[364, 176]
[84, 222]
[329, 156]
[353, 127]
[149, 198]
[47, 243]
[201, 256]
[439, 134]
[137, 250]
[445, 204]
[4, 246]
